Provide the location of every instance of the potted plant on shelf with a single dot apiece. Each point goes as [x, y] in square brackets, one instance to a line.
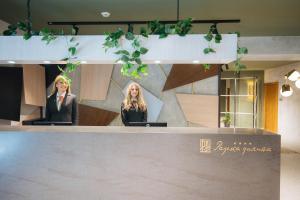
[226, 120]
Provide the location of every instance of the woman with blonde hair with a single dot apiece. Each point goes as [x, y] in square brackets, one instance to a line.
[61, 104]
[134, 108]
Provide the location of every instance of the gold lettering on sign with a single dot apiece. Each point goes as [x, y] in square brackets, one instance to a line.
[205, 146]
[237, 147]
[224, 149]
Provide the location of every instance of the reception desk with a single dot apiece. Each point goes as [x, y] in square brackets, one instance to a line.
[135, 163]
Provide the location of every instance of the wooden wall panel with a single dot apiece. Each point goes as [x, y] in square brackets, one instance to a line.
[34, 85]
[182, 74]
[95, 81]
[200, 109]
[271, 107]
[91, 116]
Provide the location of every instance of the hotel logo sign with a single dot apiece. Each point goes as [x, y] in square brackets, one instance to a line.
[239, 147]
[205, 145]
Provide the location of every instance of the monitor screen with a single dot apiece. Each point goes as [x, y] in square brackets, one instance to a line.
[11, 85]
[148, 124]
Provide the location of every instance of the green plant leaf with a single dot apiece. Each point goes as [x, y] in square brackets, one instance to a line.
[208, 50]
[9, 32]
[27, 36]
[143, 32]
[242, 50]
[208, 37]
[218, 38]
[136, 54]
[138, 61]
[135, 74]
[125, 52]
[72, 50]
[143, 50]
[125, 58]
[206, 66]
[163, 35]
[129, 36]
[22, 26]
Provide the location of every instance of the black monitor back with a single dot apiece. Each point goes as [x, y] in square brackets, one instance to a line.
[148, 124]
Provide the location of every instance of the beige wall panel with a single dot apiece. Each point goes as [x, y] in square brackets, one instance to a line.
[200, 109]
[34, 85]
[95, 81]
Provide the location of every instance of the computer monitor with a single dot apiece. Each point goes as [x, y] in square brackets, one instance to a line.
[44, 122]
[49, 123]
[148, 124]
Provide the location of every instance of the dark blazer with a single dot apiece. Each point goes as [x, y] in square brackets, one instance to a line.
[67, 112]
[133, 115]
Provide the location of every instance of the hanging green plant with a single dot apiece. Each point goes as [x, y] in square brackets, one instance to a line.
[132, 65]
[212, 35]
[238, 66]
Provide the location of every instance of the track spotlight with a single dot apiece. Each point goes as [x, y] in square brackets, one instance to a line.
[286, 89]
[293, 75]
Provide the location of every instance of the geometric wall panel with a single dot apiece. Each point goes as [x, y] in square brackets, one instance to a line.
[34, 85]
[95, 81]
[154, 104]
[91, 116]
[182, 74]
[200, 109]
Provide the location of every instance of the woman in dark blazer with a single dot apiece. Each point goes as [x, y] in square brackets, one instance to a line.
[61, 104]
[134, 108]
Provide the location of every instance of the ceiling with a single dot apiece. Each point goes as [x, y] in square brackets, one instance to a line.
[258, 17]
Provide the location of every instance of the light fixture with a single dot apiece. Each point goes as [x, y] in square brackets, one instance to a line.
[105, 14]
[196, 61]
[157, 62]
[83, 62]
[47, 62]
[286, 89]
[120, 62]
[11, 62]
[293, 75]
[297, 83]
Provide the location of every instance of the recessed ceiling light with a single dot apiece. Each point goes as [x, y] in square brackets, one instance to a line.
[83, 62]
[196, 61]
[157, 61]
[11, 62]
[105, 14]
[47, 62]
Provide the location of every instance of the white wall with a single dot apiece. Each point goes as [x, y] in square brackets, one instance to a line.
[288, 108]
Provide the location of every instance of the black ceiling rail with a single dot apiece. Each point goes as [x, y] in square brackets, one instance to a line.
[141, 22]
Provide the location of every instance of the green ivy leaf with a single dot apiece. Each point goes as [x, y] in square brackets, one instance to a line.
[125, 58]
[143, 50]
[9, 32]
[22, 26]
[242, 50]
[208, 50]
[135, 74]
[138, 61]
[218, 38]
[163, 35]
[129, 36]
[136, 54]
[72, 50]
[27, 36]
[143, 32]
[208, 37]
[125, 52]
[206, 66]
